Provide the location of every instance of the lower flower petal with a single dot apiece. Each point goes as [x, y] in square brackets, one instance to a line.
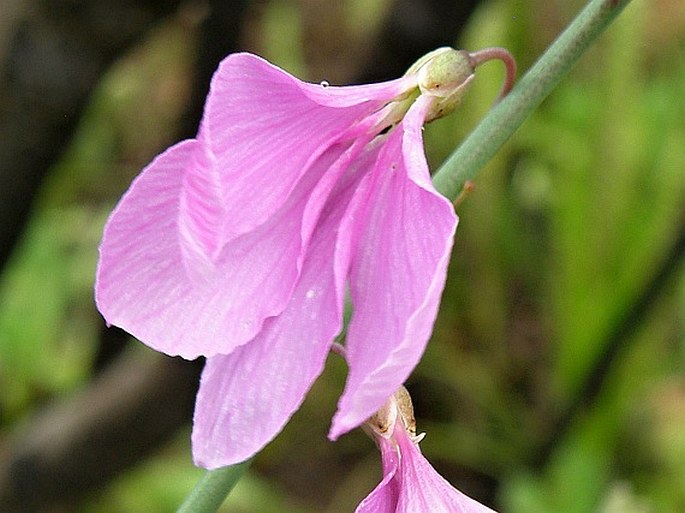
[423, 490]
[397, 274]
[383, 498]
[247, 397]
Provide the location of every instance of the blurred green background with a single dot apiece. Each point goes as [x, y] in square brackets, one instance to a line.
[555, 378]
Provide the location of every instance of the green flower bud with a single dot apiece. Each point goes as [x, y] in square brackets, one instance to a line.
[444, 74]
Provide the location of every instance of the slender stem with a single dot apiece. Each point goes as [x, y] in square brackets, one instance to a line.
[211, 490]
[505, 117]
[502, 54]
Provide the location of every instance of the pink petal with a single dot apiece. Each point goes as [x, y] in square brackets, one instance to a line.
[247, 397]
[397, 274]
[411, 485]
[149, 284]
[423, 490]
[205, 244]
[264, 128]
[383, 498]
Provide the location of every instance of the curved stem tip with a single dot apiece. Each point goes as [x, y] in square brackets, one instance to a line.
[496, 53]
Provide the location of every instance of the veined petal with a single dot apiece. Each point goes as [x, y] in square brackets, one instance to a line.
[149, 285]
[383, 498]
[247, 397]
[397, 274]
[346, 164]
[423, 490]
[201, 213]
[410, 484]
[264, 128]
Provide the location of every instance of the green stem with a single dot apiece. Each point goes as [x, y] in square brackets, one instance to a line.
[503, 119]
[211, 490]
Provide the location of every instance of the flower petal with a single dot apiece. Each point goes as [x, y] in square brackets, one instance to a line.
[264, 128]
[204, 246]
[246, 397]
[397, 274]
[148, 285]
[423, 490]
[383, 498]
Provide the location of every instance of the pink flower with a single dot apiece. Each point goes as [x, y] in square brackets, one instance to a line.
[241, 244]
[410, 484]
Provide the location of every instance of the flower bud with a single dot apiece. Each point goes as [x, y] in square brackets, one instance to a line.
[444, 74]
[398, 407]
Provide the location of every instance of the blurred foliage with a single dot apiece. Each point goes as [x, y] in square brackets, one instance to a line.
[565, 229]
